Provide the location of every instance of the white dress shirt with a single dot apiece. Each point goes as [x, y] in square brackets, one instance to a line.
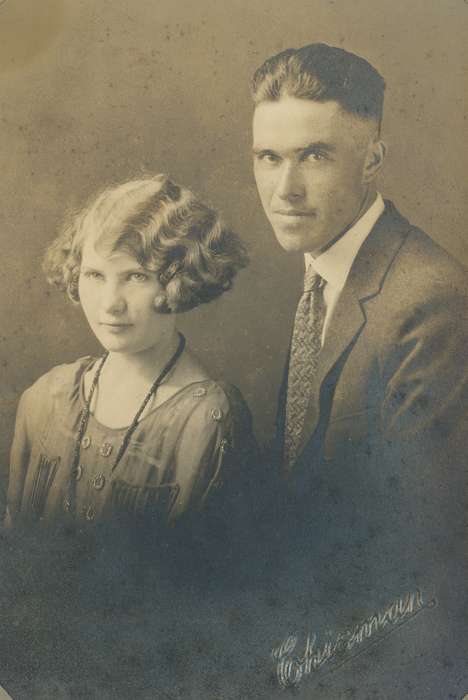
[335, 263]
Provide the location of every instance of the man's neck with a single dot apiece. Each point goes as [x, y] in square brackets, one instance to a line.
[368, 200]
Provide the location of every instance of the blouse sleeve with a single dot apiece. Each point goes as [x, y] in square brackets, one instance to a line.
[219, 443]
[239, 452]
[19, 462]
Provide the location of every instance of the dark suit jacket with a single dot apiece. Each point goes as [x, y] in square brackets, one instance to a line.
[376, 503]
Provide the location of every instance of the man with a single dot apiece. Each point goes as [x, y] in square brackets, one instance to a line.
[373, 408]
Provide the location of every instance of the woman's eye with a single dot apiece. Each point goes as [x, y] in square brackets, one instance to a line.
[93, 275]
[138, 276]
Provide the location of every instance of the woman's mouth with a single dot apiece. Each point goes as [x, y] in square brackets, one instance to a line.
[116, 327]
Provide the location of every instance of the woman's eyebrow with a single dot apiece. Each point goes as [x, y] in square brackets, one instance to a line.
[133, 270]
[124, 271]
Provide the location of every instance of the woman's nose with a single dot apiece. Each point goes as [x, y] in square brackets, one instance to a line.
[112, 299]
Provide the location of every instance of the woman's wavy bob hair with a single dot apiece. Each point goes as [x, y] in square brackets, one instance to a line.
[166, 228]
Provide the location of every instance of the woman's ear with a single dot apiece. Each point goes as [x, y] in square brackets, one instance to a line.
[375, 157]
[160, 302]
[72, 289]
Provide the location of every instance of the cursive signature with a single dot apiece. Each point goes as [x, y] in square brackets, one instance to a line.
[290, 668]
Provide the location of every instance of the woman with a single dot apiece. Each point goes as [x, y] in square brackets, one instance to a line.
[143, 432]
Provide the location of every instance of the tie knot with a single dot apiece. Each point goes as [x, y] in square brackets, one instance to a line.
[312, 280]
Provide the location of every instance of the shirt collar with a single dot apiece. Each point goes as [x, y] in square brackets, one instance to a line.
[335, 263]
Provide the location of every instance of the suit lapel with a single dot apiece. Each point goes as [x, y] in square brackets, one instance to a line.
[349, 317]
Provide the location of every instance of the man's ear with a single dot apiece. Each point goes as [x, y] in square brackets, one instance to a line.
[375, 157]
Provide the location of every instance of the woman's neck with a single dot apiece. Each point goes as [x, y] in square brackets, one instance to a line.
[144, 365]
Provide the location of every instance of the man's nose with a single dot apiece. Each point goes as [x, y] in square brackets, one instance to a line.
[112, 299]
[290, 185]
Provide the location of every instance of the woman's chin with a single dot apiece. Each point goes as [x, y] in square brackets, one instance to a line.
[116, 344]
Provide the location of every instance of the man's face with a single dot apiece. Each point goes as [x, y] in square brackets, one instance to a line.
[309, 160]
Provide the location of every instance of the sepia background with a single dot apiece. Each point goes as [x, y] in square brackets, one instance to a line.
[98, 91]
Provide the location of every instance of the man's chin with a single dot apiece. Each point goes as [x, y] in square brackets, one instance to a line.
[294, 243]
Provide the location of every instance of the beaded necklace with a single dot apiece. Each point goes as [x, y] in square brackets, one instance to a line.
[86, 412]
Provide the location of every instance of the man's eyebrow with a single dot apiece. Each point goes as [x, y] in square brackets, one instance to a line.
[316, 146]
[309, 148]
[258, 151]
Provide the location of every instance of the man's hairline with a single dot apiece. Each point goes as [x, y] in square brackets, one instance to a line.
[364, 120]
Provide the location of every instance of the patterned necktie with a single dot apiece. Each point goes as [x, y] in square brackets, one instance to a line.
[305, 347]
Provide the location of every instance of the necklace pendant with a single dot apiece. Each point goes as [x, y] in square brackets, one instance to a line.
[99, 482]
[67, 504]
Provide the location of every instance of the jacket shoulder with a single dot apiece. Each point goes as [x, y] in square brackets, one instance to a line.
[431, 256]
[422, 266]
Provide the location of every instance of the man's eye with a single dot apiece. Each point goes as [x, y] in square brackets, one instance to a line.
[315, 156]
[269, 158]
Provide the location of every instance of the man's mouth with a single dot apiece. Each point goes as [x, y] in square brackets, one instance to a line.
[294, 212]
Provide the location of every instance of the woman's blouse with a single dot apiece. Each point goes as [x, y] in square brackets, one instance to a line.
[182, 454]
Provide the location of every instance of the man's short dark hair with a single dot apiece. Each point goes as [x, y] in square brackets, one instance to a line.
[320, 72]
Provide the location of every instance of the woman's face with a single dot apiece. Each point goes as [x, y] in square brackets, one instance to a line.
[117, 295]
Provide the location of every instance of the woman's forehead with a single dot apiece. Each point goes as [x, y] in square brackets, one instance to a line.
[93, 255]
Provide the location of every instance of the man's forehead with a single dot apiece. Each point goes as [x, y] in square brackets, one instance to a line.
[292, 123]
